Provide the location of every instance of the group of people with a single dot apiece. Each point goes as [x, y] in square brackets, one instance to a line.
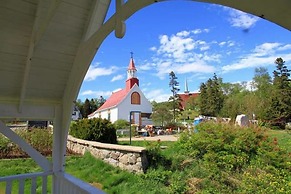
[151, 131]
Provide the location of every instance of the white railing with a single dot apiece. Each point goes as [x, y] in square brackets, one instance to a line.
[72, 185]
[23, 179]
[67, 183]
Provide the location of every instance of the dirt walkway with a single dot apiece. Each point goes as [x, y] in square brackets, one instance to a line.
[155, 138]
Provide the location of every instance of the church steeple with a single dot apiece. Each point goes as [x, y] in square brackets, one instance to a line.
[131, 70]
[186, 87]
[131, 74]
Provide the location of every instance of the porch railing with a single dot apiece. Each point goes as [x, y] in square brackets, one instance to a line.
[72, 185]
[67, 183]
[22, 179]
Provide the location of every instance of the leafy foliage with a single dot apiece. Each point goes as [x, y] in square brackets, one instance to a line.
[40, 139]
[211, 97]
[89, 106]
[279, 112]
[95, 129]
[121, 124]
[232, 157]
[160, 115]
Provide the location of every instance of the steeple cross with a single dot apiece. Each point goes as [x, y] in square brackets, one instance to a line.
[131, 54]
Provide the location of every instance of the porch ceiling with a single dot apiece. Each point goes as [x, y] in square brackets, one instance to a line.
[46, 47]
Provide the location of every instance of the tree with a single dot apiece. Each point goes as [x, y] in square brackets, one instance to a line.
[211, 97]
[202, 99]
[100, 101]
[160, 115]
[174, 89]
[93, 105]
[87, 108]
[262, 83]
[279, 112]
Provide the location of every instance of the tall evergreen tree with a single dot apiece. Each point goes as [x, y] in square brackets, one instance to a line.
[93, 105]
[202, 99]
[174, 84]
[211, 97]
[87, 108]
[280, 108]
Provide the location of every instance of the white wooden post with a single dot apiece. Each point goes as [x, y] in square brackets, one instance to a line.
[60, 135]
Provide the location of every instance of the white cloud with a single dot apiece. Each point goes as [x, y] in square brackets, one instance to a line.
[157, 95]
[117, 77]
[153, 48]
[181, 53]
[183, 33]
[261, 55]
[285, 47]
[199, 31]
[95, 71]
[241, 19]
[145, 67]
[96, 93]
[229, 43]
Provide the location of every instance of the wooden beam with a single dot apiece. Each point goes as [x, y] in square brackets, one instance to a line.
[38, 30]
[120, 26]
[9, 111]
[98, 14]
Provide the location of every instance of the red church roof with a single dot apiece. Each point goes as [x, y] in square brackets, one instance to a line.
[185, 97]
[114, 99]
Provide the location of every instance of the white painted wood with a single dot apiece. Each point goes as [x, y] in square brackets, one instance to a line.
[21, 186]
[8, 187]
[21, 179]
[44, 185]
[35, 155]
[67, 36]
[9, 110]
[33, 185]
[99, 8]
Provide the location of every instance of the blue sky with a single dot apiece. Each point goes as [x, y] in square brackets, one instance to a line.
[195, 40]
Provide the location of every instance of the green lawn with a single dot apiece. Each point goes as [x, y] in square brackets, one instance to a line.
[283, 138]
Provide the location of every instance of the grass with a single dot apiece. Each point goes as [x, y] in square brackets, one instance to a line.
[88, 169]
[283, 138]
[20, 166]
[178, 177]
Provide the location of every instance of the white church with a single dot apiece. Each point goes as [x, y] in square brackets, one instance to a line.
[126, 102]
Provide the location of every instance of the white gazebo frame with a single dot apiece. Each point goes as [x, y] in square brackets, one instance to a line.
[27, 45]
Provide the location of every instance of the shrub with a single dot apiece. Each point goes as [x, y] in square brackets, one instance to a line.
[121, 124]
[40, 139]
[95, 129]
[235, 159]
[5, 147]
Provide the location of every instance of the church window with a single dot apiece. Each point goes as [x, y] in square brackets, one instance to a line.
[135, 98]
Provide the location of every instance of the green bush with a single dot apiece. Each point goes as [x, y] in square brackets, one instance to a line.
[95, 129]
[5, 146]
[235, 159]
[40, 139]
[121, 124]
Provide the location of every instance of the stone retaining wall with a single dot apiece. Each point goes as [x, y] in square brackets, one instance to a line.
[129, 158]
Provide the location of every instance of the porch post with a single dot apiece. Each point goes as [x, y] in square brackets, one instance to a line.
[60, 135]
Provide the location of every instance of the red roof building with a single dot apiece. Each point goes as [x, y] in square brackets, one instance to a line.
[130, 99]
[184, 98]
